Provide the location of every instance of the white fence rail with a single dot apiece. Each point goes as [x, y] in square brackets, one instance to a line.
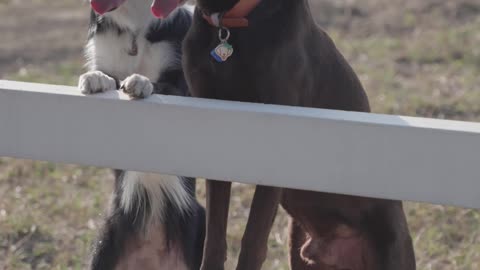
[372, 155]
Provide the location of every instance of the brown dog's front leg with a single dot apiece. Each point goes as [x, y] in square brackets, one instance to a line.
[215, 248]
[262, 214]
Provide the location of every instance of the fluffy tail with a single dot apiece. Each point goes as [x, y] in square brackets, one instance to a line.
[139, 203]
[146, 197]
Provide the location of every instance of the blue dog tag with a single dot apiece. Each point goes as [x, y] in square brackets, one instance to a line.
[222, 52]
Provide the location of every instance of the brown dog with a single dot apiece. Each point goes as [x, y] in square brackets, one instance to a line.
[271, 51]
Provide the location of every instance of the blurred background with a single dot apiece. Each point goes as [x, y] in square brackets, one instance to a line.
[414, 57]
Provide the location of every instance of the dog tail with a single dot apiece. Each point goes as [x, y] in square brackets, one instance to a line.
[141, 201]
[145, 197]
[190, 185]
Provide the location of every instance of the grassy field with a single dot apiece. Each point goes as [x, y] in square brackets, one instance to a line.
[419, 58]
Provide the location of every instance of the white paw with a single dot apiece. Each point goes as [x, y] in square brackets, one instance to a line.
[137, 86]
[96, 82]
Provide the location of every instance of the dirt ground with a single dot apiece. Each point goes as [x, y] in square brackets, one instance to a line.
[41, 33]
[414, 57]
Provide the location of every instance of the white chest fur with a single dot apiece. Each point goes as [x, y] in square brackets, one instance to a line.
[109, 52]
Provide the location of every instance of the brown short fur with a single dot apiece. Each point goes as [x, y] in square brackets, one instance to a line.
[284, 58]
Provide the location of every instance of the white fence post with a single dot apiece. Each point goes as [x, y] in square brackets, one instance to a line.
[372, 155]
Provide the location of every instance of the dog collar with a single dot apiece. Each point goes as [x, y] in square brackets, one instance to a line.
[235, 17]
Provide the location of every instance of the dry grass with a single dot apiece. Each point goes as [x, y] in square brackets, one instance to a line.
[414, 57]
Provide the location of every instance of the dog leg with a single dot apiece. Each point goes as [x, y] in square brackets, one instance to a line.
[96, 82]
[399, 254]
[168, 89]
[137, 86]
[376, 239]
[109, 245]
[107, 248]
[262, 214]
[172, 82]
[215, 248]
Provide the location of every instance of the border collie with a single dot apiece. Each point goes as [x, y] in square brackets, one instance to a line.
[154, 221]
[272, 51]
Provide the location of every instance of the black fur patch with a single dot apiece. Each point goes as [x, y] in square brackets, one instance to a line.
[100, 24]
[173, 28]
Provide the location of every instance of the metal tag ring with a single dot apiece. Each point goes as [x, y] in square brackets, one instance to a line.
[220, 34]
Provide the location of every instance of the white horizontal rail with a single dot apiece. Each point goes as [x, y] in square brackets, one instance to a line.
[372, 155]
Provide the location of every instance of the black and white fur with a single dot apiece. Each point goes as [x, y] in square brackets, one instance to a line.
[154, 221]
